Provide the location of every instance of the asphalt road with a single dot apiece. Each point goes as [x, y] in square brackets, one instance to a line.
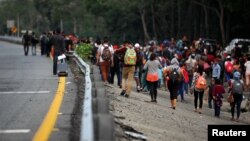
[27, 90]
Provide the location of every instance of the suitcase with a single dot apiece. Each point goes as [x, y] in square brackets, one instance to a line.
[62, 67]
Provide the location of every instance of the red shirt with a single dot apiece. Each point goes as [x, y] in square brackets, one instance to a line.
[218, 89]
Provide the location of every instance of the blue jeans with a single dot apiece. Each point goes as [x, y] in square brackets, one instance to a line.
[185, 87]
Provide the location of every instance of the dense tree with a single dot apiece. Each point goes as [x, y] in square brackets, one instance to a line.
[136, 20]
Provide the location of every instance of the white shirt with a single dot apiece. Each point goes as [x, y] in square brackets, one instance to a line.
[247, 65]
[100, 50]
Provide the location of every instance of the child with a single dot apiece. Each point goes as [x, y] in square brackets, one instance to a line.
[217, 97]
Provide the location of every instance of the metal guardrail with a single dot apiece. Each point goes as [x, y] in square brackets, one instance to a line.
[87, 125]
[12, 39]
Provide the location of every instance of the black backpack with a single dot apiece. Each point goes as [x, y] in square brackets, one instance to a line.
[174, 75]
[106, 54]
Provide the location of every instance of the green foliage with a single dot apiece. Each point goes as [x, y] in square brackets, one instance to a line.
[84, 50]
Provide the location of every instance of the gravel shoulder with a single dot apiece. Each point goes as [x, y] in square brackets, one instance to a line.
[158, 122]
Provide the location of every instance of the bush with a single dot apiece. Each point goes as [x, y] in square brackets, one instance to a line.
[84, 50]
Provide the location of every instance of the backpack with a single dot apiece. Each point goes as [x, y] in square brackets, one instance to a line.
[237, 87]
[174, 75]
[201, 83]
[44, 40]
[106, 54]
[130, 57]
[229, 67]
[26, 38]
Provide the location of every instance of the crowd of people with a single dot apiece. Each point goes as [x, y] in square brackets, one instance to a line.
[179, 66]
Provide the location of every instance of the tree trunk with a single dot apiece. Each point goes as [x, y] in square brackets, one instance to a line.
[206, 21]
[146, 35]
[228, 24]
[190, 20]
[221, 19]
[172, 30]
[153, 21]
[179, 19]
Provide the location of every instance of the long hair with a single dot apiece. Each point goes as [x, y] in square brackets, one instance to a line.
[152, 57]
[200, 69]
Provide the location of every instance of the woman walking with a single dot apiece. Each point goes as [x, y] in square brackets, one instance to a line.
[174, 77]
[199, 86]
[236, 89]
[152, 65]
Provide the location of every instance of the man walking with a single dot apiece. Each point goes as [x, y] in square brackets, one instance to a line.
[59, 48]
[26, 42]
[128, 67]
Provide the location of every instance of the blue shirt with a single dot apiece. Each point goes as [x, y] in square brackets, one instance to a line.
[216, 71]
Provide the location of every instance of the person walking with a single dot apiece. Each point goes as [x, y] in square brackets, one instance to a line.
[236, 88]
[218, 92]
[152, 65]
[216, 69]
[43, 43]
[26, 43]
[105, 59]
[210, 93]
[58, 44]
[174, 76]
[199, 86]
[138, 67]
[34, 41]
[128, 67]
[116, 68]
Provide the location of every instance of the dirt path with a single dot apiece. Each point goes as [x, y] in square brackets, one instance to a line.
[158, 122]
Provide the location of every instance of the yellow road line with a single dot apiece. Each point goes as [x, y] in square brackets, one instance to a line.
[47, 126]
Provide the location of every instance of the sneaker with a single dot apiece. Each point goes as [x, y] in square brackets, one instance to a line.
[139, 88]
[195, 110]
[199, 111]
[126, 95]
[232, 119]
[123, 92]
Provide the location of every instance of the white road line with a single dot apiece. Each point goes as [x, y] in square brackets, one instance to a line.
[26, 92]
[14, 131]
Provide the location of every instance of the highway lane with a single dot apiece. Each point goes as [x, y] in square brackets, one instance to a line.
[27, 90]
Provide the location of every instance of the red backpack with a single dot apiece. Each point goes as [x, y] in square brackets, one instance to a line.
[229, 67]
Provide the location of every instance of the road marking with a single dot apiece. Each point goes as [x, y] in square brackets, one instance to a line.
[47, 126]
[26, 92]
[14, 131]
